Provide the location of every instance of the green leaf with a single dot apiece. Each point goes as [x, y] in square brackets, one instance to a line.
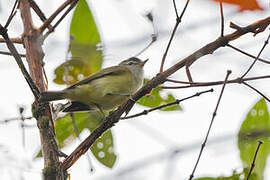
[102, 149]
[83, 26]
[154, 100]
[86, 58]
[256, 126]
[235, 176]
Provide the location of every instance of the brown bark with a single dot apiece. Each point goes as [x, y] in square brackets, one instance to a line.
[34, 56]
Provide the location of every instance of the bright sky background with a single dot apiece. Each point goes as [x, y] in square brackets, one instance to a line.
[125, 32]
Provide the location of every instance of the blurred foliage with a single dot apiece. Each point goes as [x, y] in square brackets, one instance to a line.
[235, 176]
[256, 126]
[102, 149]
[84, 37]
[154, 99]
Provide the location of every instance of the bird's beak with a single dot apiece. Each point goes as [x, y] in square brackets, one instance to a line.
[143, 63]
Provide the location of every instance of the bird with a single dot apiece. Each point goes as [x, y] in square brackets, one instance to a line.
[103, 90]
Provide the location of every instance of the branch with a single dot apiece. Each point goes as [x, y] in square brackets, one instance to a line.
[175, 9]
[13, 40]
[18, 59]
[256, 90]
[10, 54]
[12, 14]
[42, 112]
[5, 121]
[178, 21]
[53, 16]
[222, 18]
[254, 158]
[211, 123]
[249, 55]
[199, 84]
[264, 45]
[60, 19]
[38, 11]
[145, 112]
[154, 82]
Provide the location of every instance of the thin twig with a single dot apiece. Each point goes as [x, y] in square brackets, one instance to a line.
[12, 14]
[213, 117]
[154, 38]
[264, 45]
[22, 118]
[14, 119]
[59, 20]
[222, 18]
[45, 77]
[214, 83]
[53, 16]
[254, 159]
[13, 40]
[178, 21]
[38, 11]
[251, 87]
[145, 112]
[18, 59]
[249, 55]
[10, 54]
[175, 9]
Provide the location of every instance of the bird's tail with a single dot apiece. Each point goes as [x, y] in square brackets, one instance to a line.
[51, 96]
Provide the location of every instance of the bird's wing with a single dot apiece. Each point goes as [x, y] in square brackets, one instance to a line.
[100, 74]
[76, 106]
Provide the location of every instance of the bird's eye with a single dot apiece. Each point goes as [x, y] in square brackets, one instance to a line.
[130, 63]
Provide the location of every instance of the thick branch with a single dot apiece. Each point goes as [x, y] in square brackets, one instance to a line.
[159, 79]
[34, 56]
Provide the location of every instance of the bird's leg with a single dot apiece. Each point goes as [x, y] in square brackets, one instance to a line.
[125, 95]
[101, 110]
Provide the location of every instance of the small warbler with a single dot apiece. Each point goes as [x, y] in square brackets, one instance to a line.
[103, 90]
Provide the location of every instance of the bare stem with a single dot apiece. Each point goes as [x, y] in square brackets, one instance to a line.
[145, 112]
[178, 21]
[12, 14]
[222, 18]
[10, 54]
[175, 9]
[249, 55]
[53, 16]
[213, 117]
[199, 84]
[38, 11]
[60, 19]
[250, 67]
[18, 59]
[253, 88]
[254, 159]
[13, 40]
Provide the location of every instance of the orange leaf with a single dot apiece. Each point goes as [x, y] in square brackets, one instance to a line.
[244, 5]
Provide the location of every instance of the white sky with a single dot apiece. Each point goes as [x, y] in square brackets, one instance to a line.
[125, 32]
